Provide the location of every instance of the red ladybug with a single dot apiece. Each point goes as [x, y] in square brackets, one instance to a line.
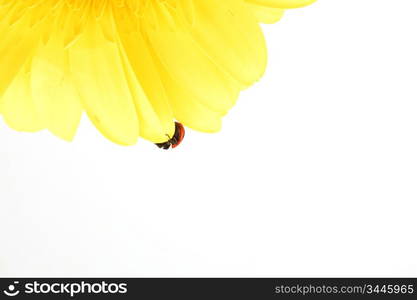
[176, 139]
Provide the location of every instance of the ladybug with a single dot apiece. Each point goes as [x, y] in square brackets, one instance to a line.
[174, 141]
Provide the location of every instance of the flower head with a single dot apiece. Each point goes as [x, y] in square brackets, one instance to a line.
[134, 66]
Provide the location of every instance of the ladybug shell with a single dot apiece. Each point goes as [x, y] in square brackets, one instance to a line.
[179, 134]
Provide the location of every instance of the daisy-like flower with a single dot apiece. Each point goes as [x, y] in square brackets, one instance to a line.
[134, 66]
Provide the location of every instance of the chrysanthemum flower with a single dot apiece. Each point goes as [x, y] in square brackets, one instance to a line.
[134, 66]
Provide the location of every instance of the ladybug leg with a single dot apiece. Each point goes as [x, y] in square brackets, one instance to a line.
[166, 145]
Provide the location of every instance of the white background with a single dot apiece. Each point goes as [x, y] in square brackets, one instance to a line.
[314, 173]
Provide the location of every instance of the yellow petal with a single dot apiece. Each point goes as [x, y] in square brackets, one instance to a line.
[185, 60]
[231, 38]
[17, 106]
[266, 14]
[154, 112]
[56, 100]
[282, 3]
[18, 41]
[100, 80]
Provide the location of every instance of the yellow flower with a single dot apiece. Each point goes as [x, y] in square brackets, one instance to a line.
[134, 66]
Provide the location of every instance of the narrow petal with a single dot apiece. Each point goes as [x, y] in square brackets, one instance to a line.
[100, 80]
[155, 116]
[19, 38]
